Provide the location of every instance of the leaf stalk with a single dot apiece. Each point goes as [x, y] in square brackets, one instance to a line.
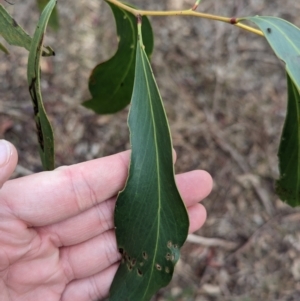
[196, 5]
[188, 12]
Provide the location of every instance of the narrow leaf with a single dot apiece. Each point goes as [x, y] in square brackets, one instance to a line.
[150, 217]
[111, 82]
[54, 19]
[44, 130]
[15, 34]
[4, 49]
[288, 185]
[284, 38]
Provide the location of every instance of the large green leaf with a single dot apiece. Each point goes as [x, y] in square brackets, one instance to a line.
[44, 130]
[15, 34]
[54, 20]
[150, 217]
[111, 82]
[284, 38]
[288, 185]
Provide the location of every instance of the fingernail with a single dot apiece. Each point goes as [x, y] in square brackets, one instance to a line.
[5, 152]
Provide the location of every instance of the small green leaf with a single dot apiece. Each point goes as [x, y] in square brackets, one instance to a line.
[150, 217]
[4, 49]
[288, 185]
[284, 38]
[44, 130]
[15, 34]
[111, 82]
[54, 19]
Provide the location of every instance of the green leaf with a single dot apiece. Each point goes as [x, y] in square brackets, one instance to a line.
[44, 130]
[288, 185]
[15, 34]
[54, 19]
[111, 82]
[284, 38]
[4, 49]
[150, 217]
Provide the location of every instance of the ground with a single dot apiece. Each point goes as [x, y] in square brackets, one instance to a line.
[225, 97]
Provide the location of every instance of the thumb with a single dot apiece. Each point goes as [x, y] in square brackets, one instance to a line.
[8, 160]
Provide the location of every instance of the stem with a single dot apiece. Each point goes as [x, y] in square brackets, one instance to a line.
[139, 23]
[185, 13]
[249, 28]
[196, 4]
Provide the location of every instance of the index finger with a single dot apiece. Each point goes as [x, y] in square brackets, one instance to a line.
[52, 196]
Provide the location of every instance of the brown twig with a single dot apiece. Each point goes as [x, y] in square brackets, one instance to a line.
[212, 242]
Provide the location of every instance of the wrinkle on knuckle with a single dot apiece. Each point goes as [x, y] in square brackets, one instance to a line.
[66, 264]
[105, 215]
[83, 194]
[111, 252]
[96, 291]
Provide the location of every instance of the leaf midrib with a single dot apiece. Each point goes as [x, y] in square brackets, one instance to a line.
[157, 165]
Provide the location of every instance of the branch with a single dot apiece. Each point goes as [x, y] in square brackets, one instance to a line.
[212, 242]
[189, 12]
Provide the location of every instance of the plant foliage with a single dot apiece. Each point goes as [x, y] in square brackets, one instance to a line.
[150, 217]
[43, 126]
[111, 82]
[284, 38]
[54, 19]
[15, 35]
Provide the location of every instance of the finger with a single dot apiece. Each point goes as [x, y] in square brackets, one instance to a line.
[49, 197]
[82, 227]
[91, 257]
[95, 287]
[97, 254]
[8, 160]
[197, 215]
[67, 191]
[193, 186]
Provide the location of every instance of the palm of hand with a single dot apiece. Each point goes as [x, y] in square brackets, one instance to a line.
[30, 266]
[57, 240]
[43, 263]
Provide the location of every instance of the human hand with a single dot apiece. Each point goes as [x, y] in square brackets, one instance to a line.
[57, 240]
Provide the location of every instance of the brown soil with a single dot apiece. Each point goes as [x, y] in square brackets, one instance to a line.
[225, 96]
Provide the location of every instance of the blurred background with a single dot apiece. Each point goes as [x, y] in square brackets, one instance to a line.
[225, 96]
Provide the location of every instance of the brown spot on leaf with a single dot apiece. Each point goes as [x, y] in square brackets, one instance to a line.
[145, 255]
[140, 273]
